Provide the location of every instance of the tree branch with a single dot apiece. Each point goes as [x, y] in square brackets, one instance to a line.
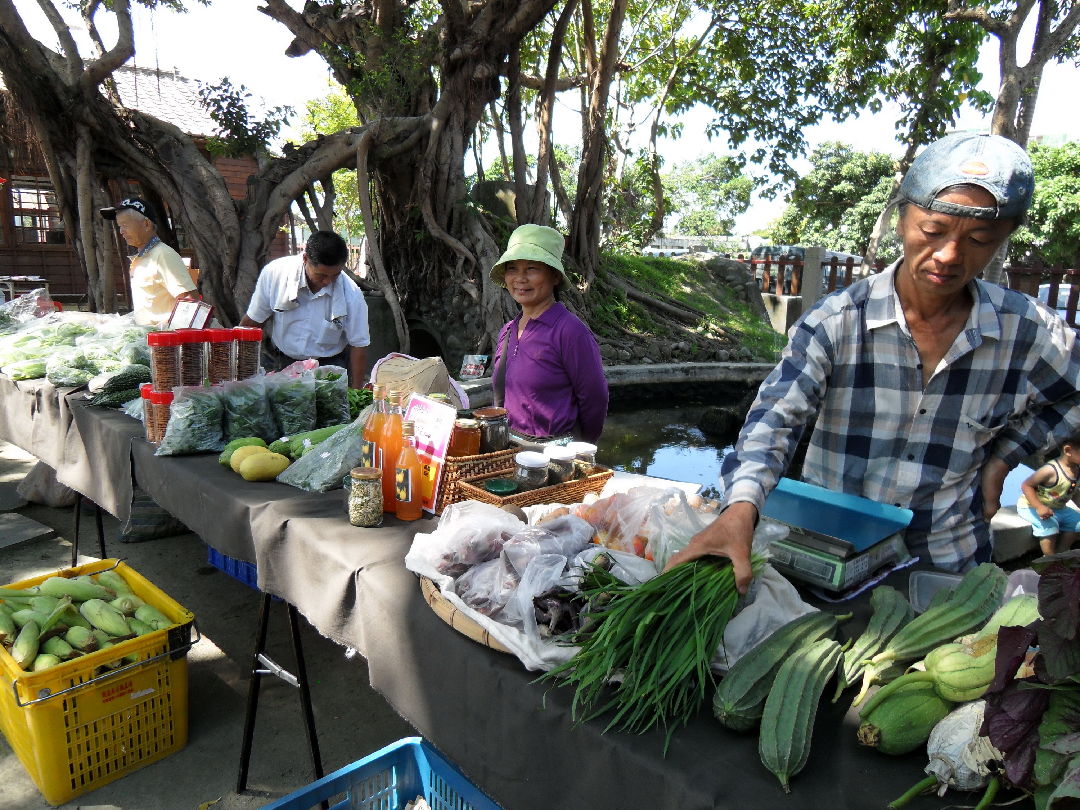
[978, 15]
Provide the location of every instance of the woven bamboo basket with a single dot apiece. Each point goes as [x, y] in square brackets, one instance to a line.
[455, 618]
[568, 492]
[457, 468]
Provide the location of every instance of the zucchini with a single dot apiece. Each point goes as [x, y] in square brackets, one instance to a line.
[891, 611]
[787, 721]
[127, 378]
[901, 715]
[973, 602]
[740, 697]
[299, 443]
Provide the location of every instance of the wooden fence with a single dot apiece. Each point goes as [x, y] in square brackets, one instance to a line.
[1057, 287]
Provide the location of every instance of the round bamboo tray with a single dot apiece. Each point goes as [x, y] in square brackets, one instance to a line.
[455, 618]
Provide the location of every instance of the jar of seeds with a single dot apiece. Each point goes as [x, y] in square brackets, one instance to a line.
[365, 497]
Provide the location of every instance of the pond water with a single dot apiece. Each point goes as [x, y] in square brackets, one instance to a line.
[664, 442]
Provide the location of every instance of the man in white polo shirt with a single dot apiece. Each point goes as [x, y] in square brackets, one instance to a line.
[314, 309]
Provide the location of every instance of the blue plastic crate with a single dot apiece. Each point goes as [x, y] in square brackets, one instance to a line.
[237, 569]
[389, 779]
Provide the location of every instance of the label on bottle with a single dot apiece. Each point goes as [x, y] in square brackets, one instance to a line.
[403, 484]
[370, 455]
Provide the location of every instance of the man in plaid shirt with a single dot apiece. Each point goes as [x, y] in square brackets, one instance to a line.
[928, 384]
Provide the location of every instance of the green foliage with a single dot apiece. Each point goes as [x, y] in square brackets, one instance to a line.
[630, 206]
[332, 113]
[836, 204]
[1052, 232]
[239, 132]
[708, 194]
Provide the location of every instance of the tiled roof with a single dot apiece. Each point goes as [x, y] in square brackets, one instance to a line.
[164, 94]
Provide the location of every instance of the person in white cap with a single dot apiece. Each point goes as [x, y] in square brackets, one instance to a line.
[158, 275]
[927, 384]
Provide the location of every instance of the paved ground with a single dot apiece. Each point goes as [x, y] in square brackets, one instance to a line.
[351, 718]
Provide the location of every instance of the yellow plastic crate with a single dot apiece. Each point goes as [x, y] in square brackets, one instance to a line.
[77, 726]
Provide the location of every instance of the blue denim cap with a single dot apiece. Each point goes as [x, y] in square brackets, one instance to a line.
[990, 162]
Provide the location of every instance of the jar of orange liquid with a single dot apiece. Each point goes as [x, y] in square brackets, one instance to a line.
[407, 489]
[371, 457]
[390, 447]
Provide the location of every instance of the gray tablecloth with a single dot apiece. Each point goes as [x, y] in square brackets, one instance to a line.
[34, 415]
[512, 737]
[99, 459]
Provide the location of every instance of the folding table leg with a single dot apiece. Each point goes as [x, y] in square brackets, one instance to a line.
[262, 665]
[75, 539]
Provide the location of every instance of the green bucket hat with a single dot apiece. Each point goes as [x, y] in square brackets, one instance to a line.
[537, 243]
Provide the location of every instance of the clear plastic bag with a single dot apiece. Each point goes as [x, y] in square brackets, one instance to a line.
[292, 401]
[325, 466]
[195, 422]
[469, 533]
[247, 411]
[331, 396]
[622, 520]
[486, 588]
[544, 572]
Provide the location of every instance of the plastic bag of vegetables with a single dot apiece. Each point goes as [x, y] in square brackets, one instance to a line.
[195, 422]
[30, 369]
[329, 462]
[247, 410]
[293, 402]
[331, 396]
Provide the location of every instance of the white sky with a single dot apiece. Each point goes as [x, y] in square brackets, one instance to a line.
[231, 38]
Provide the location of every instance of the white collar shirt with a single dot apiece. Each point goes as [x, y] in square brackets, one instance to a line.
[304, 323]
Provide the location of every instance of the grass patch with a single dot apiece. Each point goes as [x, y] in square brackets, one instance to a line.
[690, 284]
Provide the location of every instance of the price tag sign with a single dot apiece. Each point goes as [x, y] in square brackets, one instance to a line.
[433, 422]
[189, 314]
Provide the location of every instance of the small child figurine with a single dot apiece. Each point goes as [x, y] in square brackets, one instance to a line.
[1045, 498]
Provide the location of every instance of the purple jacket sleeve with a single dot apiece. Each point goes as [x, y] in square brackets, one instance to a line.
[581, 356]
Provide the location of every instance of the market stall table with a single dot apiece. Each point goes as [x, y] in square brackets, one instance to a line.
[35, 416]
[513, 737]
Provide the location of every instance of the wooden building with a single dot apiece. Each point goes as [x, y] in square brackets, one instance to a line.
[33, 237]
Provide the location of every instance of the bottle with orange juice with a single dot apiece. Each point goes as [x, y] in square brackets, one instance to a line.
[373, 428]
[407, 489]
[389, 447]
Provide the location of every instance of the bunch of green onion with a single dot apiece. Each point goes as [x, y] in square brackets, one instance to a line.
[660, 636]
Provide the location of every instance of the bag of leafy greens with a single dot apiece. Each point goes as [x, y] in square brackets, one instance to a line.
[247, 410]
[293, 402]
[195, 422]
[331, 396]
[324, 466]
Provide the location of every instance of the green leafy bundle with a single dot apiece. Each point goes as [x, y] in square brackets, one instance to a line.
[660, 636]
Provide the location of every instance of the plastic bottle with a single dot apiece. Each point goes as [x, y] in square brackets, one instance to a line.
[390, 446]
[373, 428]
[407, 489]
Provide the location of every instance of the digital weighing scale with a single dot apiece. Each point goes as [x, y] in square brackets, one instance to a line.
[836, 541]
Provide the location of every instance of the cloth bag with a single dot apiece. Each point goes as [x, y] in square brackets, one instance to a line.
[415, 375]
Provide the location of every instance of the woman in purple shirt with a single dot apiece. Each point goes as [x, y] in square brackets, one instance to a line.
[547, 363]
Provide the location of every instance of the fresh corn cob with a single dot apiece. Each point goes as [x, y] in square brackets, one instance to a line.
[114, 582]
[58, 647]
[19, 593]
[127, 604]
[44, 661]
[105, 617]
[72, 618]
[103, 638]
[81, 639]
[80, 590]
[21, 617]
[25, 647]
[153, 617]
[139, 628]
[7, 627]
[43, 604]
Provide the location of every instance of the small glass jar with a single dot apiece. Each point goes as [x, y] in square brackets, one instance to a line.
[530, 470]
[192, 356]
[247, 351]
[494, 429]
[465, 440]
[164, 359]
[145, 390]
[560, 463]
[364, 503]
[219, 365]
[583, 451]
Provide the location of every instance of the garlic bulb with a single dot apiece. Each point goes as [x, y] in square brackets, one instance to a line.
[959, 757]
